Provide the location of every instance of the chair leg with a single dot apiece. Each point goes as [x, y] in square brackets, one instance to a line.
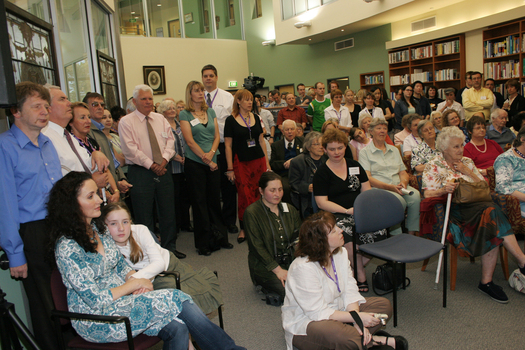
[394, 289]
[445, 260]
[504, 259]
[221, 321]
[425, 263]
[472, 260]
[453, 266]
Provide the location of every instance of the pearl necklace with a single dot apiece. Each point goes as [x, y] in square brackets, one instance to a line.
[476, 147]
[519, 153]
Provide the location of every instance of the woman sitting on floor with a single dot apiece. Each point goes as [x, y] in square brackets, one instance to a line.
[321, 293]
[148, 258]
[475, 228]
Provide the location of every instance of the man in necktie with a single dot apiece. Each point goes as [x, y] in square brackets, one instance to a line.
[148, 145]
[221, 102]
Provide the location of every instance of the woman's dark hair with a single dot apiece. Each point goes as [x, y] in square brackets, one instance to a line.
[65, 217]
[517, 120]
[472, 122]
[513, 82]
[267, 177]
[412, 100]
[521, 134]
[313, 238]
[384, 95]
[117, 112]
[352, 132]
[432, 87]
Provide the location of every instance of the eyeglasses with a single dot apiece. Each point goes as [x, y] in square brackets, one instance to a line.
[96, 104]
[409, 90]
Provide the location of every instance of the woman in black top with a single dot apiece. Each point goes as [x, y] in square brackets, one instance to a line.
[433, 98]
[245, 152]
[337, 183]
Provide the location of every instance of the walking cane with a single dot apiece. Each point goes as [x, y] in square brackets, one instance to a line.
[443, 236]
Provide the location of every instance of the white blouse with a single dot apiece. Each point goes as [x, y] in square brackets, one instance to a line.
[344, 117]
[312, 296]
[410, 142]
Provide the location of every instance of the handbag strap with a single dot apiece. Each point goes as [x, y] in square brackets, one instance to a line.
[359, 323]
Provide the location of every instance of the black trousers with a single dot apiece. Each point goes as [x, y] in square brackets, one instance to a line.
[206, 203]
[182, 200]
[38, 282]
[228, 190]
[148, 189]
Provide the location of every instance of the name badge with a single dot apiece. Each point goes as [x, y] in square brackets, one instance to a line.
[285, 207]
[195, 122]
[164, 135]
[353, 170]
[483, 97]
[251, 143]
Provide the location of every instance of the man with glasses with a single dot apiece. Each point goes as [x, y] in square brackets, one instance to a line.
[477, 98]
[96, 105]
[451, 103]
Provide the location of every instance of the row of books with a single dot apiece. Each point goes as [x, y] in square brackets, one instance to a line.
[422, 52]
[502, 70]
[420, 75]
[400, 79]
[447, 48]
[396, 57]
[374, 79]
[508, 46]
[447, 74]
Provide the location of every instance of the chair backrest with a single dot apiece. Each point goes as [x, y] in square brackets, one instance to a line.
[376, 210]
[59, 292]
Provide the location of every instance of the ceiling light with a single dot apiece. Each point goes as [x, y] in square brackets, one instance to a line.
[303, 24]
[342, 30]
[310, 39]
[132, 12]
[268, 42]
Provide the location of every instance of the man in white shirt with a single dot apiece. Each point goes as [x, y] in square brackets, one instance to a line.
[451, 103]
[221, 102]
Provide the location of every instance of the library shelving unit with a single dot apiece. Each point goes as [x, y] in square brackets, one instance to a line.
[439, 62]
[372, 80]
[503, 53]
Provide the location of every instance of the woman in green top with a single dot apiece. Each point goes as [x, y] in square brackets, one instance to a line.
[271, 226]
[201, 133]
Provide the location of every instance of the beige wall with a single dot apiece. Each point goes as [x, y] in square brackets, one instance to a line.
[183, 60]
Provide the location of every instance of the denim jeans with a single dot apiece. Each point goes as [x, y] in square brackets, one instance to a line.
[207, 334]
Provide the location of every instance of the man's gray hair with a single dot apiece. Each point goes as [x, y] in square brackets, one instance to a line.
[49, 87]
[375, 122]
[495, 113]
[446, 134]
[141, 87]
[289, 121]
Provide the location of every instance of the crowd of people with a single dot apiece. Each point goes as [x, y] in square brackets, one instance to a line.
[108, 191]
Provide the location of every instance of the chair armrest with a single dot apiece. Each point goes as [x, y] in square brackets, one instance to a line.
[175, 274]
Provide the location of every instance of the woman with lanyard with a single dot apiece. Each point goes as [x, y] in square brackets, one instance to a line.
[245, 152]
[370, 108]
[336, 110]
[271, 226]
[79, 127]
[413, 140]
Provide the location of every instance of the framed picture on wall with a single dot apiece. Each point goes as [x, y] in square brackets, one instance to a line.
[108, 79]
[155, 78]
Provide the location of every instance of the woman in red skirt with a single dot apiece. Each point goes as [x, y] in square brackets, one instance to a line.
[245, 152]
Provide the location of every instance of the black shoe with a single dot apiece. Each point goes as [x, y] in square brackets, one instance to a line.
[227, 245]
[204, 251]
[241, 239]
[401, 342]
[215, 247]
[233, 228]
[494, 291]
[179, 255]
[188, 228]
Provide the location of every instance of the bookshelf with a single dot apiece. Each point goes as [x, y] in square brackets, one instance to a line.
[504, 55]
[439, 62]
[371, 80]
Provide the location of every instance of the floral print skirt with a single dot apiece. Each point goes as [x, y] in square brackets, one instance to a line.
[347, 224]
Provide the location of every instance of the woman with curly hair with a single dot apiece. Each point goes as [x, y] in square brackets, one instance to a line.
[100, 282]
[322, 298]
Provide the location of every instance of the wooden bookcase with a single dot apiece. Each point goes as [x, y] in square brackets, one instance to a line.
[503, 53]
[439, 62]
[372, 80]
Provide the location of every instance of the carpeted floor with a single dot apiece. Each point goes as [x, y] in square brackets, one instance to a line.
[470, 321]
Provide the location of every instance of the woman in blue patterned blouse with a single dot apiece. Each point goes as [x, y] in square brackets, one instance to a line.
[99, 281]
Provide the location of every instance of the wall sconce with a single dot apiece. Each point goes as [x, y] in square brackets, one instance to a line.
[268, 42]
[303, 24]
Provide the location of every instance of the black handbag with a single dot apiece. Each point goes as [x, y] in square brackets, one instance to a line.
[382, 279]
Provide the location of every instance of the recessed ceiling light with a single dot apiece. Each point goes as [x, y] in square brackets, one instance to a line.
[310, 39]
[132, 12]
[159, 5]
[342, 30]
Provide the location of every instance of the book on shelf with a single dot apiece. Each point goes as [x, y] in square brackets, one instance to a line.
[399, 79]
[396, 57]
[446, 74]
[447, 48]
[418, 74]
[422, 52]
[507, 46]
[374, 79]
[502, 70]
[522, 89]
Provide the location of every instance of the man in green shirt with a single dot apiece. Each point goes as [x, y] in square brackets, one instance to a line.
[316, 108]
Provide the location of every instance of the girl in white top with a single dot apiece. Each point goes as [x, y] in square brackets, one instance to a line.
[321, 292]
[412, 140]
[358, 141]
[370, 109]
[146, 256]
[338, 111]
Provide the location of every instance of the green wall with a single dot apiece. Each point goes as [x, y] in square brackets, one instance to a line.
[294, 64]
[227, 31]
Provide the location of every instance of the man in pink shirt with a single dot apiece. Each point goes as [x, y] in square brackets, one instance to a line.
[148, 145]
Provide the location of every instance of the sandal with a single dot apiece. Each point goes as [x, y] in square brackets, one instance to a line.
[401, 342]
[363, 286]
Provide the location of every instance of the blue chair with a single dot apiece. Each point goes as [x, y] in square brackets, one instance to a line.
[378, 209]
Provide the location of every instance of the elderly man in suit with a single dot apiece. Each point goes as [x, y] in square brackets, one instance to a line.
[282, 153]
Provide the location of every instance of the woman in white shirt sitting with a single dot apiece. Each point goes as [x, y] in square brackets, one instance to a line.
[413, 140]
[322, 297]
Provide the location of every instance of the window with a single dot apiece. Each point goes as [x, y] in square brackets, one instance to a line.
[131, 17]
[292, 8]
[102, 30]
[258, 9]
[38, 8]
